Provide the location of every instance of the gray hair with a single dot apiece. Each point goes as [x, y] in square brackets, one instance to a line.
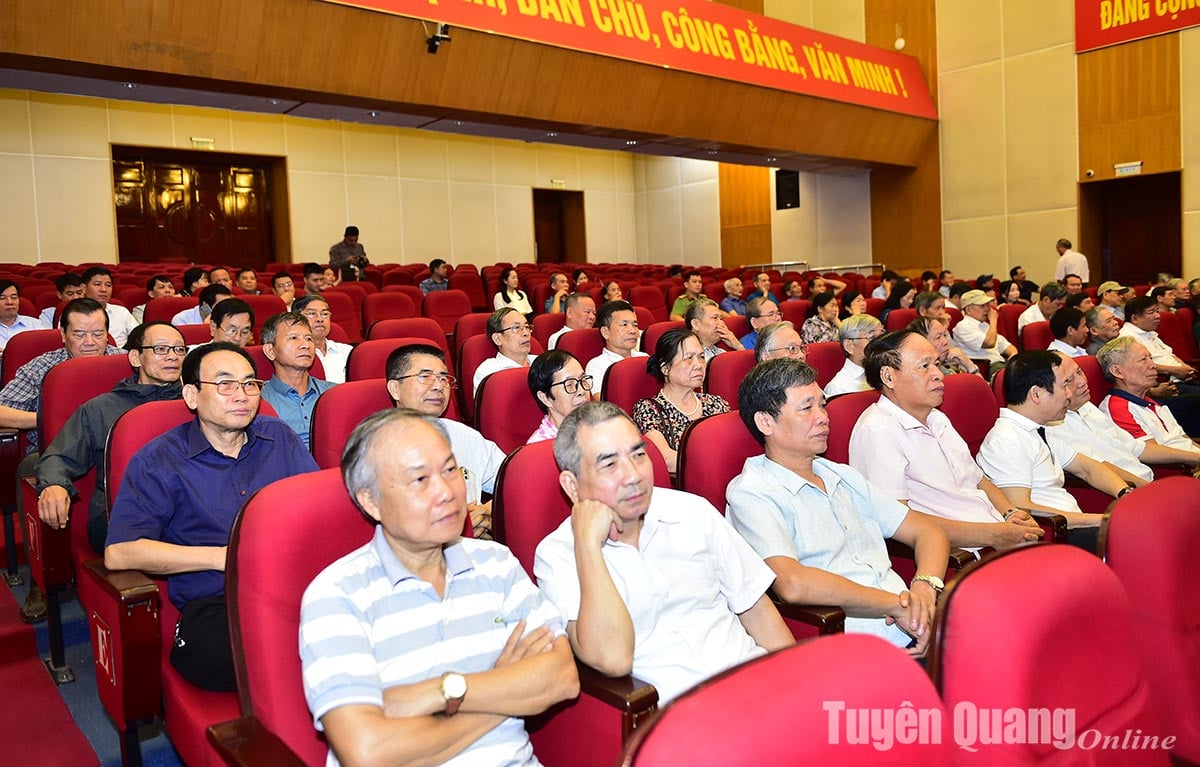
[858, 325]
[1114, 353]
[696, 310]
[284, 319]
[359, 471]
[729, 282]
[567, 452]
[766, 337]
[1092, 316]
[754, 309]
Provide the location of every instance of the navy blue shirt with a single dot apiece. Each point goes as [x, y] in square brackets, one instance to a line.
[178, 489]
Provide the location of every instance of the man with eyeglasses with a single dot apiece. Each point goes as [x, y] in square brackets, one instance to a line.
[417, 379]
[780, 340]
[232, 321]
[292, 391]
[855, 333]
[156, 352]
[182, 492]
[284, 288]
[760, 312]
[511, 334]
[333, 354]
[619, 328]
[579, 313]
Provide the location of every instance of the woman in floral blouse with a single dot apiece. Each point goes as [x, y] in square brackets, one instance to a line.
[822, 325]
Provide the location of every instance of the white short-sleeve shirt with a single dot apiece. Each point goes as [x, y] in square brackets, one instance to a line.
[1032, 314]
[1013, 455]
[849, 379]
[1059, 345]
[969, 334]
[494, 364]
[598, 366]
[1091, 432]
[334, 360]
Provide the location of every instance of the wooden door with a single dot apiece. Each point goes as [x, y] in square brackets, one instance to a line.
[192, 209]
[1137, 223]
[559, 227]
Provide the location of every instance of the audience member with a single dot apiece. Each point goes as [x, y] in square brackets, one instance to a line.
[619, 328]
[579, 312]
[821, 284]
[651, 581]
[199, 314]
[945, 280]
[333, 354]
[611, 292]
[1070, 330]
[314, 278]
[97, 282]
[438, 279]
[780, 340]
[887, 280]
[12, 322]
[579, 278]
[1052, 298]
[950, 359]
[1109, 294]
[853, 303]
[232, 321]
[733, 303]
[247, 280]
[182, 492]
[1028, 287]
[293, 391]
[1102, 327]
[693, 290]
[1009, 293]
[705, 320]
[760, 312]
[195, 280]
[158, 286]
[901, 297]
[678, 363]
[220, 276]
[510, 294]
[559, 385]
[1081, 301]
[1070, 262]
[284, 288]
[976, 332]
[1142, 318]
[822, 324]
[762, 288]
[560, 288]
[1165, 298]
[793, 290]
[511, 334]
[1073, 283]
[383, 693]
[928, 282]
[68, 286]
[854, 334]
[932, 305]
[1129, 365]
[820, 525]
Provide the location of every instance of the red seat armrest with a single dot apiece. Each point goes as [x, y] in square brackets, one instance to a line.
[245, 743]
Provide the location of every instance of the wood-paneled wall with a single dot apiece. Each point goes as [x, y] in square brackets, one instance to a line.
[1129, 107]
[745, 208]
[906, 208]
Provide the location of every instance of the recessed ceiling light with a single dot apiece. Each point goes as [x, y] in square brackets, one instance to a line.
[273, 102]
[373, 114]
[630, 142]
[130, 86]
[551, 134]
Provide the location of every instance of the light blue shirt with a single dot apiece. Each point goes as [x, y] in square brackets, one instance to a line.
[294, 410]
[20, 325]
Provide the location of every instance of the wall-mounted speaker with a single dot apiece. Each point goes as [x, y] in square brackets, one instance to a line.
[787, 189]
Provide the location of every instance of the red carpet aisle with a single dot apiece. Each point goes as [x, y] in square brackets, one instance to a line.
[37, 728]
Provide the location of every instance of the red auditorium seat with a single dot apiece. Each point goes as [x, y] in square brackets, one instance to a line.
[387, 306]
[474, 324]
[875, 305]
[795, 312]
[725, 374]
[195, 334]
[584, 344]
[1036, 335]
[264, 307]
[627, 382]
[651, 298]
[505, 410]
[418, 327]
[344, 311]
[1006, 323]
[546, 325]
[1077, 600]
[445, 307]
[898, 319]
[475, 350]
[412, 291]
[843, 414]
[1177, 335]
[712, 452]
[398, 277]
[163, 309]
[971, 407]
[1149, 539]
[729, 720]
[827, 358]
[470, 283]
[339, 411]
[651, 334]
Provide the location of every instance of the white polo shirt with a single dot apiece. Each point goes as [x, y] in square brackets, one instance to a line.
[1032, 314]
[970, 333]
[598, 366]
[1013, 455]
[1160, 351]
[494, 364]
[1093, 433]
[1145, 420]
[334, 360]
[849, 379]
[1059, 345]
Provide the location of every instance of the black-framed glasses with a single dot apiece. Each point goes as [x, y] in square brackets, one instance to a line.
[426, 378]
[163, 349]
[573, 385]
[228, 388]
[526, 328]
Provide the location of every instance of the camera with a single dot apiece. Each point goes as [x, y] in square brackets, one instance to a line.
[1089, 173]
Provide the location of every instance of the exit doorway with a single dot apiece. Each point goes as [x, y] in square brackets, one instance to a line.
[1132, 227]
[559, 231]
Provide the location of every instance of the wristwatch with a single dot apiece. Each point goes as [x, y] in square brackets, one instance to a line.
[937, 583]
[454, 689]
[1125, 491]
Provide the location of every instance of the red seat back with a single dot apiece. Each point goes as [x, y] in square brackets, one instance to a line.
[1098, 385]
[505, 410]
[627, 381]
[1187, 320]
[387, 306]
[728, 720]
[827, 358]
[898, 319]
[369, 359]
[445, 307]
[339, 411]
[795, 312]
[284, 537]
[969, 404]
[725, 374]
[1006, 322]
[470, 283]
[164, 308]
[843, 414]
[652, 298]
[1036, 335]
[345, 313]
[412, 327]
[584, 345]
[195, 334]
[875, 305]
[132, 431]
[650, 335]
[1175, 334]
[265, 307]
[23, 347]
[712, 452]
[1077, 600]
[1149, 540]
[475, 350]
[529, 503]
[474, 324]
[546, 325]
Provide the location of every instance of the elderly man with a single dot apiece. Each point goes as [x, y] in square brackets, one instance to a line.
[247, 280]
[1102, 327]
[976, 332]
[1091, 431]
[1143, 316]
[855, 333]
[181, 495]
[232, 321]
[1070, 262]
[510, 334]
[931, 305]
[1070, 332]
[156, 352]
[819, 525]
[579, 311]
[98, 286]
[945, 280]
[560, 288]
[209, 297]
[908, 448]
[760, 312]
[158, 286]
[762, 288]
[12, 322]
[384, 693]
[651, 580]
[438, 279]
[1053, 297]
[220, 276]
[619, 328]
[780, 340]
[1073, 283]
[348, 257]
[284, 288]
[1110, 294]
[1130, 367]
[417, 379]
[704, 318]
[292, 391]
[333, 354]
[733, 303]
[693, 289]
[1026, 466]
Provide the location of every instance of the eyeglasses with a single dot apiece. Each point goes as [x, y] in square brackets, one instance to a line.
[772, 315]
[236, 332]
[793, 350]
[163, 349]
[526, 328]
[425, 378]
[314, 313]
[228, 388]
[573, 385]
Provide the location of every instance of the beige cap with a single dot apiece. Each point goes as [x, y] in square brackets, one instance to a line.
[974, 298]
[1107, 286]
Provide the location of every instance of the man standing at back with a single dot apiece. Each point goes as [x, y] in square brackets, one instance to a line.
[348, 256]
[156, 352]
[1070, 262]
[181, 494]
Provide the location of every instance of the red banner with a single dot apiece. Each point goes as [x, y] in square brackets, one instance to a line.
[1100, 23]
[695, 36]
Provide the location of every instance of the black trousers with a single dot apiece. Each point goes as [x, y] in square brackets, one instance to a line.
[202, 654]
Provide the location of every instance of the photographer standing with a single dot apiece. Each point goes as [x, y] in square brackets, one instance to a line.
[348, 256]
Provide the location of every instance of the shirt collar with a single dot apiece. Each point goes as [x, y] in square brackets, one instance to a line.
[904, 418]
[457, 561]
[793, 483]
[1025, 423]
[1131, 398]
[197, 443]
